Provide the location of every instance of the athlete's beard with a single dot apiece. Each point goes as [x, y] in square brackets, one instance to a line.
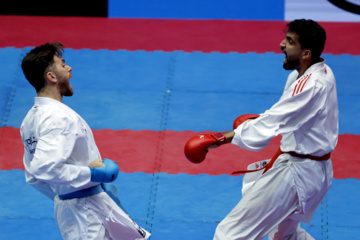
[291, 64]
[65, 88]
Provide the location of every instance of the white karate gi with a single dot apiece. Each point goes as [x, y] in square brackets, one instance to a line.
[59, 146]
[274, 203]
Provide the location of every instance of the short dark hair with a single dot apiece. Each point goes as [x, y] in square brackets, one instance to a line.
[311, 35]
[38, 60]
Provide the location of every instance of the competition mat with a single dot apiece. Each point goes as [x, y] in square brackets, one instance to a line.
[146, 86]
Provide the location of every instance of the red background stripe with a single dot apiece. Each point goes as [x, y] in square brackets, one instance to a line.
[168, 35]
[151, 151]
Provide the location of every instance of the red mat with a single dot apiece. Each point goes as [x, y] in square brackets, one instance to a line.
[167, 35]
[151, 151]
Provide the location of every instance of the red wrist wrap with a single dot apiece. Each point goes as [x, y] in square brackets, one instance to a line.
[220, 138]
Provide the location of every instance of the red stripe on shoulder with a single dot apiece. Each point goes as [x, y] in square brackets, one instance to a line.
[305, 82]
[300, 84]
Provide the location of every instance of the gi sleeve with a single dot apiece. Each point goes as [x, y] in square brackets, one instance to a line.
[289, 114]
[42, 187]
[54, 147]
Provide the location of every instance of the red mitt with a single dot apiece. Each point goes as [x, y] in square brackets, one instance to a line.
[197, 147]
[240, 119]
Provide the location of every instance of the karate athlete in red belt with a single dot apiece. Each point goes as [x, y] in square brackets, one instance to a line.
[290, 188]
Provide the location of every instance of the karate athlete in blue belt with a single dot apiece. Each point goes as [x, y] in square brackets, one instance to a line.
[290, 188]
[62, 160]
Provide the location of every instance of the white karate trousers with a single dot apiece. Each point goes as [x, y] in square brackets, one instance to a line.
[96, 217]
[276, 202]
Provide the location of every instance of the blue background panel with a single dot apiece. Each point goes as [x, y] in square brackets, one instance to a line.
[231, 72]
[125, 70]
[214, 111]
[346, 70]
[10, 61]
[173, 90]
[119, 109]
[200, 9]
[5, 93]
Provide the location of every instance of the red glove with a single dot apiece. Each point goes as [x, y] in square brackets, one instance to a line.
[196, 148]
[240, 119]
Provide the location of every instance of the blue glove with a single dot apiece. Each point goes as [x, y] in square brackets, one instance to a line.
[105, 174]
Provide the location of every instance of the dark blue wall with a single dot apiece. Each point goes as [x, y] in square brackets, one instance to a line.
[199, 9]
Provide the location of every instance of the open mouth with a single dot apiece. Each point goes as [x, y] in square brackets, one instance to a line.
[283, 51]
[285, 58]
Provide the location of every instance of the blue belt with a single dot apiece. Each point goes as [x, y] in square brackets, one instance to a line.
[82, 193]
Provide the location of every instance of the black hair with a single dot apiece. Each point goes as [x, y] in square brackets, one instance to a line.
[311, 36]
[38, 60]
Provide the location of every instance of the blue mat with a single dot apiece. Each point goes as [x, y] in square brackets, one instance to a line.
[173, 207]
[179, 91]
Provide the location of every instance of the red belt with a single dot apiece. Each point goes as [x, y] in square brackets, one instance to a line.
[315, 158]
[278, 153]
